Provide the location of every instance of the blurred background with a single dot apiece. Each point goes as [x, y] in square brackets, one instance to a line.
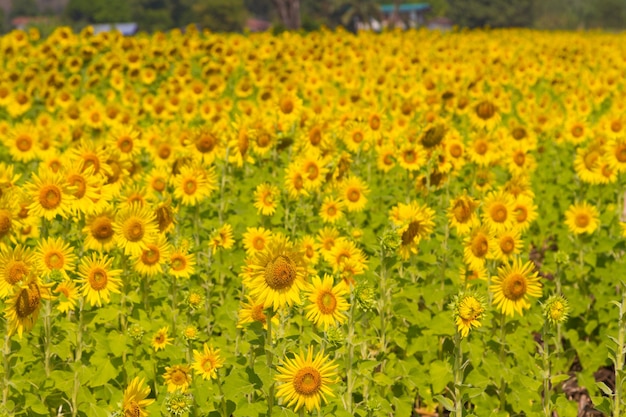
[131, 16]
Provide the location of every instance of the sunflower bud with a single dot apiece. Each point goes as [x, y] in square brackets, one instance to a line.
[178, 403]
[468, 309]
[365, 297]
[556, 309]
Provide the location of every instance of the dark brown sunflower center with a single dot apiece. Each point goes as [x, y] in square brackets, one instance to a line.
[280, 273]
[514, 287]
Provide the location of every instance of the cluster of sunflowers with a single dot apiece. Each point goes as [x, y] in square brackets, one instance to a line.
[298, 177]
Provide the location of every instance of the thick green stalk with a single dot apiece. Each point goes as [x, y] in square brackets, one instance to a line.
[350, 356]
[502, 390]
[458, 376]
[78, 354]
[270, 359]
[547, 397]
[6, 352]
[619, 358]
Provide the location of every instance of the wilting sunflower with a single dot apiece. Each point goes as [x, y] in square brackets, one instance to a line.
[177, 378]
[512, 286]
[99, 233]
[265, 199]
[305, 380]
[161, 339]
[207, 362]
[135, 402]
[582, 218]
[134, 228]
[98, 279]
[276, 275]
[328, 304]
[55, 254]
[22, 308]
[51, 195]
[468, 311]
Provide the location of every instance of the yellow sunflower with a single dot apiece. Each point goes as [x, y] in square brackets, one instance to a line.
[498, 211]
[276, 275]
[135, 402]
[177, 377]
[22, 308]
[134, 228]
[51, 195]
[67, 295]
[332, 209]
[513, 285]
[479, 247]
[255, 239]
[181, 263]
[55, 254]
[194, 184]
[251, 311]
[16, 265]
[266, 198]
[151, 260]
[468, 311]
[354, 192]
[99, 233]
[161, 339]
[327, 302]
[304, 380]
[207, 362]
[582, 218]
[98, 279]
[462, 214]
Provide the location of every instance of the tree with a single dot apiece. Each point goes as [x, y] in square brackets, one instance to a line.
[289, 13]
[24, 8]
[220, 15]
[350, 12]
[494, 13]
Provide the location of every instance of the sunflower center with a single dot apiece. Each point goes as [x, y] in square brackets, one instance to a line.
[507, 245]
[498, 213]
[151, 255]
[582, 220]
[190, 186]
[313, 171]
[481, 147]
[519, 158]
[307, 381]
[258, 243]
[164, 151]
[16, 271]
[514, 287]
[470, 309]
[132, 410]
[257, 314]
[462, 212]
[577, 131]
[125, 144]
[26, 303]
[326, 302]
[5, 222]
[521, 214]
[357, 137]
[102, 229]
[286, 105]
[374, 122]
[78, 181]
[133, 230]
[263, 140]
[98, 279]
[353, 195]
[178, 377]
[331, 211]
[620, 153]
[480, 246]
[409, 156]
[205, 143]
[616, 126]
[519, 133]
[411, 232]
[158, 184]
[315, 136]
[54, 260]
[178, 263]
[485, 110]
[50, 196]
[24, 143]
[456, 150]
[280, 273]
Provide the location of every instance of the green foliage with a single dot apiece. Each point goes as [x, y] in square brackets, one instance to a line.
[24, 8]
[492, 13]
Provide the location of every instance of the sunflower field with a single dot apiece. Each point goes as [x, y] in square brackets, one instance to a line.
[409, 223]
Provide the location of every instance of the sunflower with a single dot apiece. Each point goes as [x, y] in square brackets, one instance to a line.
[99, 233]
[87, 187]
[294, 181]
[498, 211]
[354, 192]
[478, 247]
[194, 184]
[222, 238]
[310, 250]
[251, 311]
[255, 239]
[468, 311]
[462, 214]
[134, 228]
[265, 199]
[21, 142]
[22, 308]
[98, 279]
[327, 303]
[51, 195]
[67, 295]
[414, 222]
[125, 140]
[276, 275]
[508, 244]
[582, 218]
[181, 263]
[151, 260]
[177, 377]
[207, 362]
[161, 339]
[16, 265]
[411, 157]
[512, 286]
[332, 209]
[305, 380]
[135, 402]
[55, 254]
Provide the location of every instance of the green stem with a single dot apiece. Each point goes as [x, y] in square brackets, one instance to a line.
[458, 376]
[78, 354]
[502, 390]
[6, 352]
[270, 359]
[47, 327]
[223, 398]
[383, 303]
[619, 358]
[174, 301]
[547, 398]
[350, 356]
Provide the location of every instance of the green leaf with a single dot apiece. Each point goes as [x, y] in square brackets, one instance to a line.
[102, 373]
[440, 375]
[446, 402]
[604, 388]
